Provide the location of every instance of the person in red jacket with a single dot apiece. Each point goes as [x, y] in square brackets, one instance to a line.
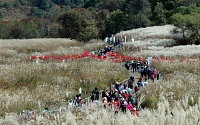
[136, 89]
[134, 112]
[126, 95]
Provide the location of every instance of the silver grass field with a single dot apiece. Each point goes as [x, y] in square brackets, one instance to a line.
[25, 85]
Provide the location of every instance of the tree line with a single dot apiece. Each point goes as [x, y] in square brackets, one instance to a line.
[87, 19]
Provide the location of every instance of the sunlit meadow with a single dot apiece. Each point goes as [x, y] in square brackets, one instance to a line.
[26, 85]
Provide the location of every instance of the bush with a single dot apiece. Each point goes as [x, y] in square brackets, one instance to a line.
[7, 5]
[1, 3]
[17, 4]
[1, 15]
[150, 103]
[23, 2]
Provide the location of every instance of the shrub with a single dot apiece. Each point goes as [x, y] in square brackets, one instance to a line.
[23, 2]
[17, 4]
[150, 103]
[1, 15]
[7, 5]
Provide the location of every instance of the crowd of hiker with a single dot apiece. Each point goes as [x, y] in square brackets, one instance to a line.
[121, 96]
[143, 68]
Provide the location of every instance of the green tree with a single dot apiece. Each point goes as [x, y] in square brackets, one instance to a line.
[44, 4]
[187, 23]
[180, 22]
[23, 2]
[7, 5]
[116, 21]
[159, 14]
[198, 3]
[140, 12]
[101, 22]
[1, 4]
[73, 25]
[23, 30]
[1, 15]
[17, 4]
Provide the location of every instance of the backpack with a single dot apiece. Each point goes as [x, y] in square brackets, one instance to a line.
[116, 95]
[132, 101]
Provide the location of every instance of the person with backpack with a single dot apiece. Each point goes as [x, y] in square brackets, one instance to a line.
[148, 72]
[136, 89]
[132, 100]
[93, 97]
[145, 73]
[104, 93]
[127, 65]
[116, 95]
[129, 91]
[96, 92]
[104, 101]
[124, 104]
[134, 66]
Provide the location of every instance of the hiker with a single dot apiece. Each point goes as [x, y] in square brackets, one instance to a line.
[117, 85]
[134, 112]
[148, 72]
[145, 83]
[116, 106]
[70, 105]
[140, 79]
[136, 89]
[93, 96]
[145, 73]
[152, 77]
[129, 91]
[138, 64]
[127, 65]
[134, 66]
[132, 100]
[126, 95]
[104, 102]
[92, 53]
[80, 103]
[124, 103]
[132, 78]
[130, 83]
[96, 92]
[141, 71]
[158, 75]
[46, 109]
[130, 106]
[112, 103]
[104, 93]
[116, 95]
[99, 53]
[74, 101]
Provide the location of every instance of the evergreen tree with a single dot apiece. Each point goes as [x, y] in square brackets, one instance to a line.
[159, 14]
[1, 15]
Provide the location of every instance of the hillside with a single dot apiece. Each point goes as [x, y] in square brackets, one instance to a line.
[65, 66]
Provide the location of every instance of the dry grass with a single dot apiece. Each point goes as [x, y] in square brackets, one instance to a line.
[23, 82]
[173, 100]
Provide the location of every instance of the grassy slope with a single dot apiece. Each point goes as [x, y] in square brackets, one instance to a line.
[171, 101]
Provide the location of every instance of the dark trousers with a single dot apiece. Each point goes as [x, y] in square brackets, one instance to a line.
[134, 69]
[124, 109]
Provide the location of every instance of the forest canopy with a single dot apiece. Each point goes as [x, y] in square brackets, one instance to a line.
[88, 19]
